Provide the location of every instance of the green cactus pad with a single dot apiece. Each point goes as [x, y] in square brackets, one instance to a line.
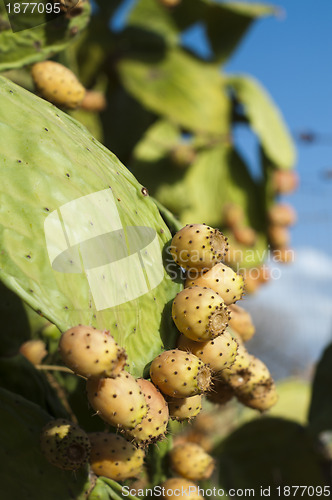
[44, 165]
[20, 455]
[39, 39]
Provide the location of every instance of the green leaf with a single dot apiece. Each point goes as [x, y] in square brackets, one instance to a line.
[180, 87]
[320, 413]
[265, 119]
[46, 164]
[20, 425]
[228, 22]
[157, 142]
[270, 452]
[18, 375]
[40, 38]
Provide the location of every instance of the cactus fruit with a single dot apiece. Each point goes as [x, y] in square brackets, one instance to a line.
[94, 101]
[91, 353]
[64, 444]
[241, 322]
[183, 155]
[57, 84]
[119, 401]
[262, 398]
[223, 280]
[184, 408]
[34, 350]
[233, 215]
[263, 274]
[218, 354]
[284, 181]
[279, 236]
[251, 282]
[197, 246]
[170, 3]
[114, 457]
[154, 425]
[238, 373]
[245, 235]
[200, 313]
[190, 461]
[179, 487]
[180, 374]
[220, 393]
[259, 375]
[282, 214]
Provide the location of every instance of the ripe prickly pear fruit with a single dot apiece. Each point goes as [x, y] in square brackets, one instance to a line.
[188, 489]
[153, 426]
[94, 101]
[190, 461]
[233, 215]
[114, 457]
[238, 373]
[284, 181]
[262, 398]
[282, 214]
[279, 236]
[245, 235]
[91, 353]
[223, 280]
[241, 322]
[251, 281]
[57, 84]
[64, 444]
[197, 246]
[263, 274]
[183, 155]
[220, 393]
[200, 313]
[184, 408]
[119, 401]
[180, 374]
[34, 350]
[259, 375]
[218, 354]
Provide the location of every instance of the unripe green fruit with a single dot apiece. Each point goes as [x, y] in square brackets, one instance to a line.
[179, 487]
[197, 246]
[34, 351]
[200, 313]
[218, 354]
[114, 457]
[119, 401]
[184, 408]
[91, 353]
[64, 444]
[223, 280]
[220, 393]
[241, 322]
[153, 426]
[180, 374]
[190, 461]
[57, 84]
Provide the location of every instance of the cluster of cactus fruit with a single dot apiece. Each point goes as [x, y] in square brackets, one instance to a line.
[210, 360]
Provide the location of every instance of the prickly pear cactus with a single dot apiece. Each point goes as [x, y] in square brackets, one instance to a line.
[29, 36]
[84, 241]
